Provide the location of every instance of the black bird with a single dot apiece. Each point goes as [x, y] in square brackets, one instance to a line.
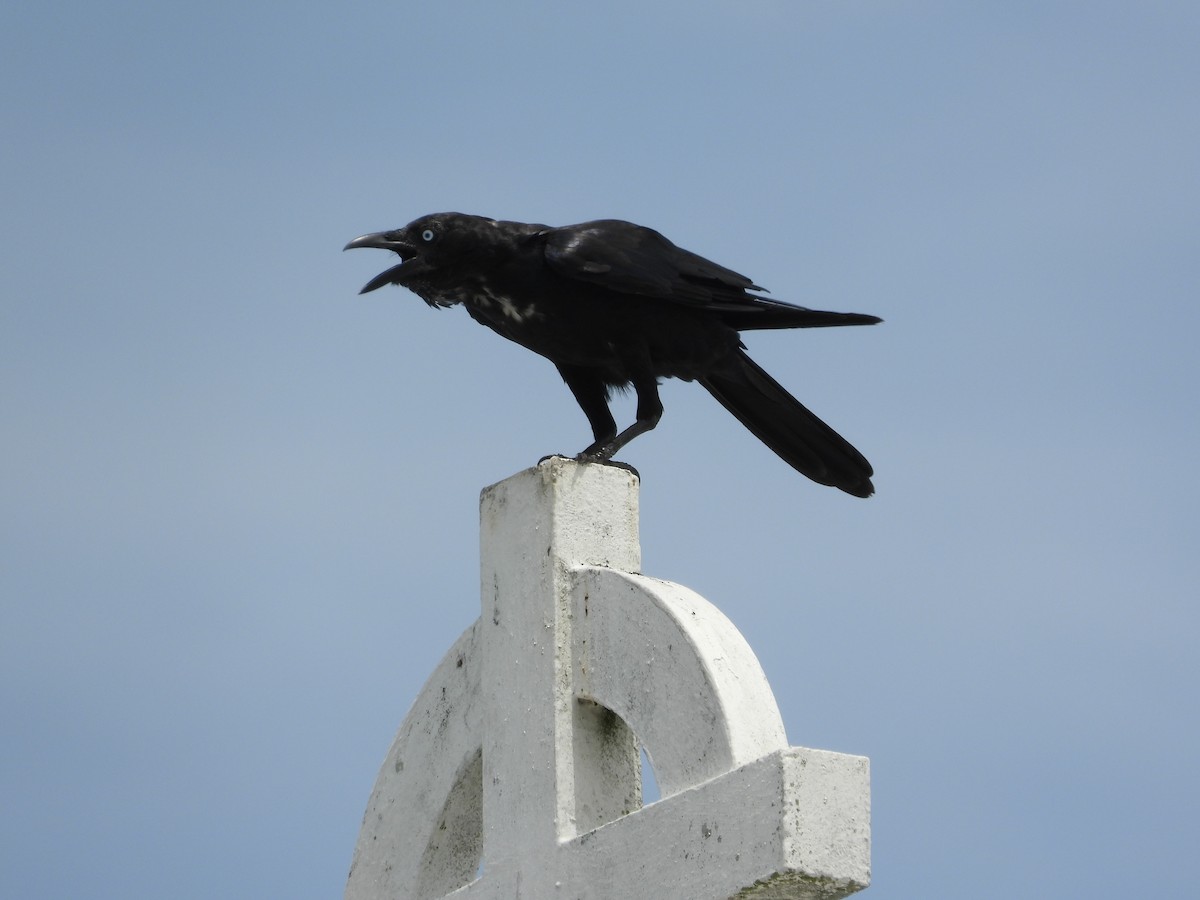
[613, 304]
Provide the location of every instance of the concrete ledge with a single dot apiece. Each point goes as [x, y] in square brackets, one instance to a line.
[797, 819]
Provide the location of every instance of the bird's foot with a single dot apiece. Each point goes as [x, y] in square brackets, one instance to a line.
[551, 456]
[586, 457]
[592, 458]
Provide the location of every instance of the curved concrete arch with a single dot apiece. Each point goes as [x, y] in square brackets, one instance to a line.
[676, 670]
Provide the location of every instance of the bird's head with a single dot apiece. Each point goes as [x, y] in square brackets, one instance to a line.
[438, 243]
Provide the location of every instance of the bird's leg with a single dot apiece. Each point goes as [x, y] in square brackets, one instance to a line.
[592, 396]
[649, 411]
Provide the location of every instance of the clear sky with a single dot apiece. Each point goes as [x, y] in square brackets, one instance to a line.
[238, 502]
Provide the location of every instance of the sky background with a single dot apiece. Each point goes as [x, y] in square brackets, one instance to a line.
[239, 503]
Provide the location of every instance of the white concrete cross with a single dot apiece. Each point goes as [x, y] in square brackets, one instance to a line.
[517, 771]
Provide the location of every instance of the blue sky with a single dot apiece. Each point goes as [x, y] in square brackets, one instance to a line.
[239, 503]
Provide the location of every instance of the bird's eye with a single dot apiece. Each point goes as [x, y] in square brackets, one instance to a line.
[428, 235]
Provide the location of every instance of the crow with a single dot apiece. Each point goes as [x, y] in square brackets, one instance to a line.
[613, 305]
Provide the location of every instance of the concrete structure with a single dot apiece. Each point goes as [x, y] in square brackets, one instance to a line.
[517, 773]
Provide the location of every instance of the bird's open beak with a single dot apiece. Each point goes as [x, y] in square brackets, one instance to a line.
[386, 240]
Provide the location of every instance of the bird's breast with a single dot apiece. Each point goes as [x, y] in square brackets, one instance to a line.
[502, 307]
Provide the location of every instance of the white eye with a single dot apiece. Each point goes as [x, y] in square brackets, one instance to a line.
[428, 235]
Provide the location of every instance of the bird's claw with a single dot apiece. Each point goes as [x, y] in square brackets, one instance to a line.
[590, 458]
[604, 460]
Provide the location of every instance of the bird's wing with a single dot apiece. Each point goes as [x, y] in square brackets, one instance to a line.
[632, 259]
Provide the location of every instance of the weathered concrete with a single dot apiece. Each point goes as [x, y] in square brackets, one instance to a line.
[516, 773]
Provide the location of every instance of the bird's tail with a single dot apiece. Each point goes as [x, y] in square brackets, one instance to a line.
[761, 313]
[785, 425]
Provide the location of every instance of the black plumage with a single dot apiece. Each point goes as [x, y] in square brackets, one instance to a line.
[614, 305]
